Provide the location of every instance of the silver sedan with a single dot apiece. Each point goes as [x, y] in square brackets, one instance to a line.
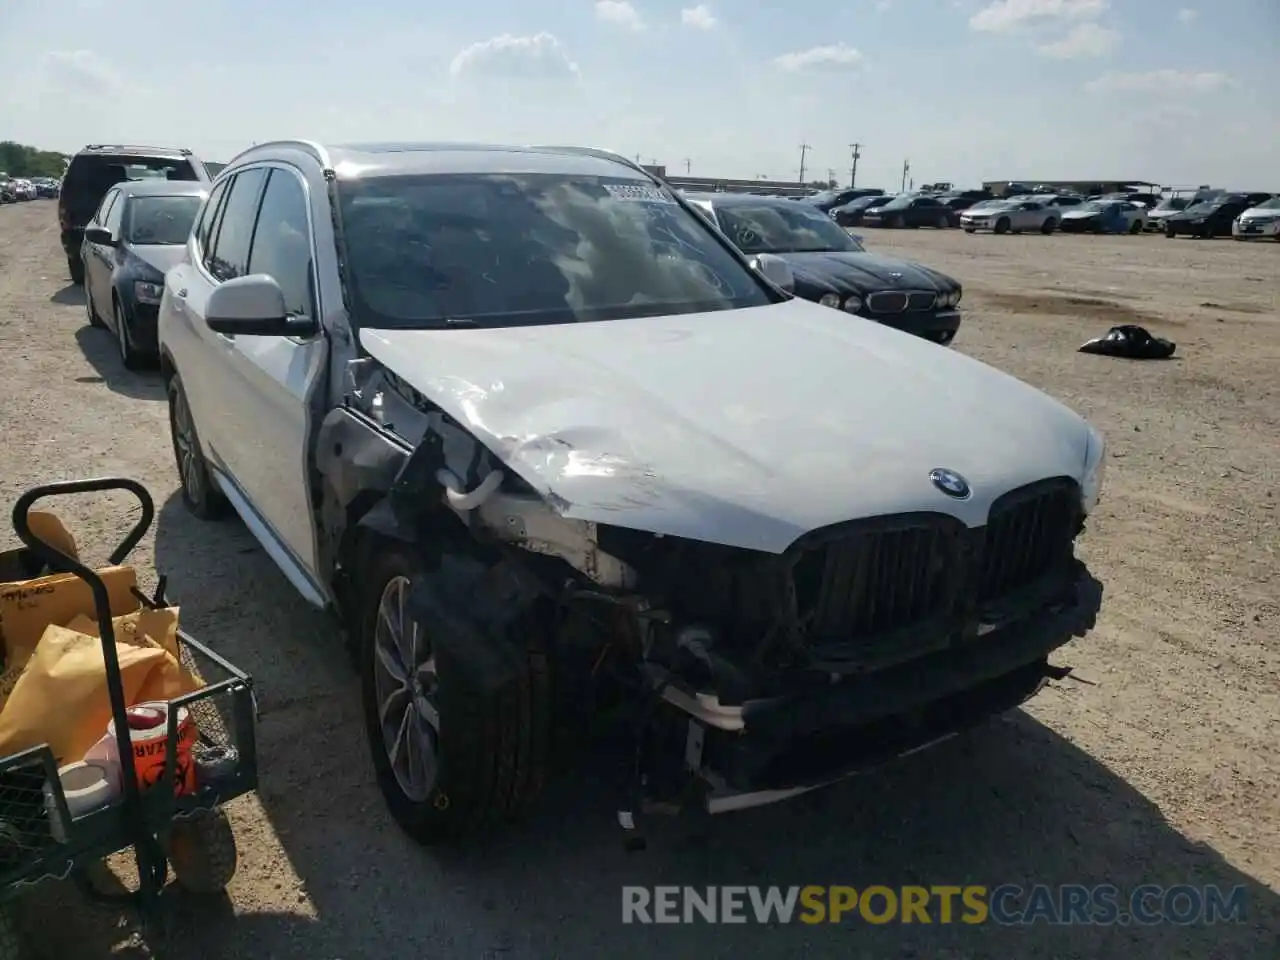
[1011, 216]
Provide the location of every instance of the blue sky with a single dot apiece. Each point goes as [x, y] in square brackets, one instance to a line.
[1164, 90]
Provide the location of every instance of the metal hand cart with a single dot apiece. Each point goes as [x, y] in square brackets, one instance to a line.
[188, 831]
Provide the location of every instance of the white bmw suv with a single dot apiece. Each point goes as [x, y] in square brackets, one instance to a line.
[553, 449]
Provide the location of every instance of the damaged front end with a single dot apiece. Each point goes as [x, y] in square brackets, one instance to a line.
[754, 675]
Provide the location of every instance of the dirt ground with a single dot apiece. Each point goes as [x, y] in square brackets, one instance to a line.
[1156, 763]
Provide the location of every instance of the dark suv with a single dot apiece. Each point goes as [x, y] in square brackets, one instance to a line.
[99, 167]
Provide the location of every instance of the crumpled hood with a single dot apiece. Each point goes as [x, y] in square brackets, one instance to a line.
[742, 427]
[863, 272]
[159, 256]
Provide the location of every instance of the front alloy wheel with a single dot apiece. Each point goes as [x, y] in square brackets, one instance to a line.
[406, 684]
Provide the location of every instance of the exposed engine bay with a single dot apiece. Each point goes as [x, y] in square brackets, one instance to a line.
[758, 675]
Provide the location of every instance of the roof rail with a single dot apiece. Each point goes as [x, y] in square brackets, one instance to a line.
[181, 151]
[315, 150]
[596, 152]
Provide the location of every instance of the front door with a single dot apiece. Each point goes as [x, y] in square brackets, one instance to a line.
[97, 263]
[265, 387]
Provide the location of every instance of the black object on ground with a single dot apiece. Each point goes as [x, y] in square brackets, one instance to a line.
[1131, 342]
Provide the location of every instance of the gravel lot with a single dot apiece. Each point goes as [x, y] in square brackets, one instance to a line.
[1156, 763]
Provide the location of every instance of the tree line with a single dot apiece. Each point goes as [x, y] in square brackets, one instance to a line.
[19, 160]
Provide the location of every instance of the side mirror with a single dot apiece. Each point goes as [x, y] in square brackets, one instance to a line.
[253, 306]
[99, 235]
[776, 270]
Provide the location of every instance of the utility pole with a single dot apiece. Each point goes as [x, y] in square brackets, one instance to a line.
[853, 170]
[906, 168]
[804, 150]
[688, 166]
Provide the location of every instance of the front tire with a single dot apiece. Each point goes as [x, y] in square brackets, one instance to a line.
[200, 493]
[1169, 232]
[1136, 228]
[450, 759]
[75, 267]
[1049, 226]
[1002, 225]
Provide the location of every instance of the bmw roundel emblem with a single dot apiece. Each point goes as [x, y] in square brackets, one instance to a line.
[950, 483]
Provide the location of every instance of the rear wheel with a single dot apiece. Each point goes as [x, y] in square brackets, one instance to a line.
[970, 230]
[91, 311]
[1169, 231]
[129, 355]
[450, 759]
[1049, 226]
[202, 852]
[1136, 227]
[199, 492]
[75, 267]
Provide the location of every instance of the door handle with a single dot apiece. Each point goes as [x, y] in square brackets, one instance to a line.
[181, 294]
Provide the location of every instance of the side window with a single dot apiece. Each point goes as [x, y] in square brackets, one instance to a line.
[104, 208]
[208, 215]
[282, 241]
[115, 215]
[229, 257]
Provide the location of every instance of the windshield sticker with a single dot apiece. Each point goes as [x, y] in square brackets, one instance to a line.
[639, 193]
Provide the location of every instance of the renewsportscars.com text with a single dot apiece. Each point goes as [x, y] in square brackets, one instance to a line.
[1007, 904]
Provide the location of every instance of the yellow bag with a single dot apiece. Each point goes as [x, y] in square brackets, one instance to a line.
[61, 698]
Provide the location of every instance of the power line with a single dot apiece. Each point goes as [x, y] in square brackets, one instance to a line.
[853, 170]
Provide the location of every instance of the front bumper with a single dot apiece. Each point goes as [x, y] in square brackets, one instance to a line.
[1251, 229]
[939, 326]
[769, 750]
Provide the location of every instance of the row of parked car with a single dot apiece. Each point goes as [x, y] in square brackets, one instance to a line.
[672, 450]
[1208, 213]
[15, 189]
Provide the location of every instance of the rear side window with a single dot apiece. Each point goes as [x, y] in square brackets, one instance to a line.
[282, 241]
[114, 215]
[209, 215]
[229, 256]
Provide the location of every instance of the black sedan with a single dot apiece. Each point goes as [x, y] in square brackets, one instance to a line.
[833, 269]
[828, 200]
[139, 231]
[1210, 218]
[908, 210]
[851, 214]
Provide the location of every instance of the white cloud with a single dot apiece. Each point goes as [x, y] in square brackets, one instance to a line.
[1186, 15]
[883, 5]
[1008, 16]
[1161, 81]
[699, 17]
[619, 12]
[1083, 40]
[536, 57]
[835, 57]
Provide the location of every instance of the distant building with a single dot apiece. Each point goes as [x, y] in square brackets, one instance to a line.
[1000, 188]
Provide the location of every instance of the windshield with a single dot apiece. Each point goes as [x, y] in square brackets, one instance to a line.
[1272, 204]
[165, 220]
[1095, 206]
[494, 250]
[772, 228]
[1173, 203]
[1203, 206]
